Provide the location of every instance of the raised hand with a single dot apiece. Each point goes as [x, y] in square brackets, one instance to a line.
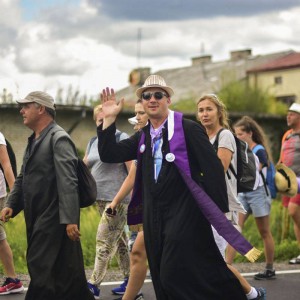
[110, 107]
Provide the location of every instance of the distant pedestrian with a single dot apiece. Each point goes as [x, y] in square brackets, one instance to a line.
[258, 202]
[47, 190]
[290, 156]
[111, 236]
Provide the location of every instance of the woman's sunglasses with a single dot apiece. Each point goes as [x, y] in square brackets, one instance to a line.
[157, 95]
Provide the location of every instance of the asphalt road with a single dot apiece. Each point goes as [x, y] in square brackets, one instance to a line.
[285, 287]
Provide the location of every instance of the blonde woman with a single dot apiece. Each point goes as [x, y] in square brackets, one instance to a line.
[212, 114]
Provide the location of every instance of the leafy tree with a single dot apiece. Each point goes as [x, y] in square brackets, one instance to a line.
[239, 97]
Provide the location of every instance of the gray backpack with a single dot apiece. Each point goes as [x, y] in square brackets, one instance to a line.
[247, 174]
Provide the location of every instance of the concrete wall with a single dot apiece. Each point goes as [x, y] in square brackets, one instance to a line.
[11, 125]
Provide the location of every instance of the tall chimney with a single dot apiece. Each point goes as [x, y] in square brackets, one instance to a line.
[240, 54]
[203, 59]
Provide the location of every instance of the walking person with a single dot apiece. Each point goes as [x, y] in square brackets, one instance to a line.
[47, 190]
[111, 236]
[11, 284]
[212, 114]
[290, 156]
[175, 163]
[138, 256]
[258, 202]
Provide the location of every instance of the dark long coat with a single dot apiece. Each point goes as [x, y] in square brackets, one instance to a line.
[184, 260]
[47, 191]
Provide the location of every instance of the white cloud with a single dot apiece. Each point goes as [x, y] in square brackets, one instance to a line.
[83, 47]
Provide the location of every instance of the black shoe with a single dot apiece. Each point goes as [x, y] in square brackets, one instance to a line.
[139, 296]
[261, 294]
[266, 274]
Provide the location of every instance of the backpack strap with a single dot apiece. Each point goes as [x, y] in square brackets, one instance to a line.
[216, 142]
[92, 140]
[216, 147]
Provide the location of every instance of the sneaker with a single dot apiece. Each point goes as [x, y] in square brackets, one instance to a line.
[295, 260]
[261, 294]
[139, 296]
[121, 289]
[94, 290]
[266, 274]
[11, 286]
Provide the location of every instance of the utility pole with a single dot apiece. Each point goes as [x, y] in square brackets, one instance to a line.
[138, 54]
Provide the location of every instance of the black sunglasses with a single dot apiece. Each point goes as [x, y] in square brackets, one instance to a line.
[157, 95]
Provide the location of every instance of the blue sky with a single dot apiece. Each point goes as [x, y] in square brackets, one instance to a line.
[89, 44]
[31, 8]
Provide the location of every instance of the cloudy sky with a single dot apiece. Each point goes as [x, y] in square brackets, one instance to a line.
[89, 44]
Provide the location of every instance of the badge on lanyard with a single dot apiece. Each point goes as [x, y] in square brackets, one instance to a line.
[170, 157]
[142, 148]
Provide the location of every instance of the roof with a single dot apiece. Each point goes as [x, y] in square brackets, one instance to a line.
[289, 61]
[193, 81]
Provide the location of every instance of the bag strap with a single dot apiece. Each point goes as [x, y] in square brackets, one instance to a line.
[216, 146]
[254, 150]
[92, 140]
[216, 142]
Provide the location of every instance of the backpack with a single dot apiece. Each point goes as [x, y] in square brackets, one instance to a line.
[270, 179]
[247, 174]
[87, 188]
[12, 158]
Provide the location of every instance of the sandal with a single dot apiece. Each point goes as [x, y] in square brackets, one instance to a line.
[295, 261]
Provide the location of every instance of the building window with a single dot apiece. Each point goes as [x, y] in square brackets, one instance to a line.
[288, 99]
[278, 80]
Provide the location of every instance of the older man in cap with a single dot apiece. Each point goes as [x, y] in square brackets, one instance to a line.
[46, 189]
[290, 156]
[176, 167]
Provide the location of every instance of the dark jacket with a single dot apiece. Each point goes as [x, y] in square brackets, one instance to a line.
[47, 191]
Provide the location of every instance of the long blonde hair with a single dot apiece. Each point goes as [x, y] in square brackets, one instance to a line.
[223, 116]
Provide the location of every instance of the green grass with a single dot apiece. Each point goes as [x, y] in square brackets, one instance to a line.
[285, 243]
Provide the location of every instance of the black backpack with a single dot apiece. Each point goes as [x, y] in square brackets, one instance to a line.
[87, 188]
[12, 158]
[247, 173]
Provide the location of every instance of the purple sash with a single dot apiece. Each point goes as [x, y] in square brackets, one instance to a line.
[208, 207]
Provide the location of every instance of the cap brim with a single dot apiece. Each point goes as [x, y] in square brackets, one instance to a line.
[292, 110]
[23, 101]
[133, 121]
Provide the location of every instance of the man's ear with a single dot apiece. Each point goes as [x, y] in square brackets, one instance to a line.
[169, 100]
[42, 109]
